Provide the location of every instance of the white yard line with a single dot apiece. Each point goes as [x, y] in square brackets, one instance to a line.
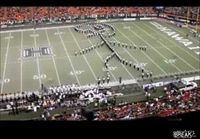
[101, 58]
[132, 57]
[83, 55]
[63, 44]
[21, 57]
[168, 48]
[2, 82]
[31, 29]
[127, 71]
[128, 52]
[54, 63]
[158, 51]
[178, 56]
[125, 49]
[37, 61]
[175, 44]
[144, 52]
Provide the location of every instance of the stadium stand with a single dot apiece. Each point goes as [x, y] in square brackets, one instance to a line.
[53, 97]
[20, 14]
[172, 103]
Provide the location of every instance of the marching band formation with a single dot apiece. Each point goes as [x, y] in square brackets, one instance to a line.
[99, 29]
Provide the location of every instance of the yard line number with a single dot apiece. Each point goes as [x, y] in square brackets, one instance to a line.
[42, 76]
[109, 68]
[77, 72]
[141, 65]
[170, 61]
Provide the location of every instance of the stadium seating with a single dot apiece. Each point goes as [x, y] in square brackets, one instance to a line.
[170, 104]
[29, 13]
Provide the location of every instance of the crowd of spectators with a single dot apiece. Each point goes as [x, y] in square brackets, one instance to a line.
[11, 15]
[70, 96]
[172, 103]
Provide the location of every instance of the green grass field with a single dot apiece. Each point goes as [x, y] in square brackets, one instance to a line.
[63, 67]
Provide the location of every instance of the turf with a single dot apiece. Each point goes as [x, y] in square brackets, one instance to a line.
[63, 67]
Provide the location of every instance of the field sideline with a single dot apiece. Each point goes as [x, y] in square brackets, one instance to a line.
[164, 56]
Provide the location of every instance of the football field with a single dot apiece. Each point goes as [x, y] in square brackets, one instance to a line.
[54, 62]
